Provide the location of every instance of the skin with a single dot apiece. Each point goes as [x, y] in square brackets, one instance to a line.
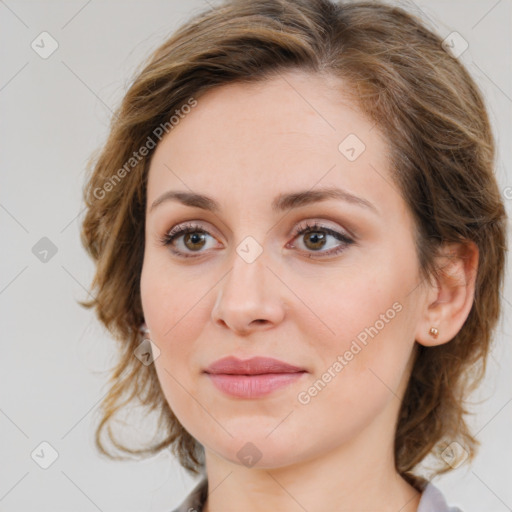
[244, 144]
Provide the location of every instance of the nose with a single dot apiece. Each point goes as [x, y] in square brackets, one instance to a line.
[249, 298]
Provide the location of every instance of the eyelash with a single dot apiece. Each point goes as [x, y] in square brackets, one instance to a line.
[184, 229]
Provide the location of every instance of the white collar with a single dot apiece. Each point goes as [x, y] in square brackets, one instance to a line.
[432, 500]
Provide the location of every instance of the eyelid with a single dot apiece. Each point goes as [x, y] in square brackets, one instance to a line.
[338, 233]
[318, 223]
[196, 224]
[343, 236]
[296, 227]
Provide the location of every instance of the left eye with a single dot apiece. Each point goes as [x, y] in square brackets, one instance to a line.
[315, 238]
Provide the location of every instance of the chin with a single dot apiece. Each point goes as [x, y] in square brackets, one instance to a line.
[255, 448]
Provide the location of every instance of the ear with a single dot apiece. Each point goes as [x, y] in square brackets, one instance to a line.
[449, 299]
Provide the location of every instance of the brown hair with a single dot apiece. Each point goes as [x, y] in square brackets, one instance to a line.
[442, 151]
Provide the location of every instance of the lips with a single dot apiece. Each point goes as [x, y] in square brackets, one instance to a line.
[254, 366]
[252, 378]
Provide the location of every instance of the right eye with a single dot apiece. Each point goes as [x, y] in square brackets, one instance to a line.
[194, 237]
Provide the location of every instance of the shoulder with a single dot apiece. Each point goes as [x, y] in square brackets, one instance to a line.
[433, 500]
[195, 499]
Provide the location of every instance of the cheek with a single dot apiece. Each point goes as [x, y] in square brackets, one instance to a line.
[176, 312]
[367, 307]
[363, 367]
[170, 303]
[174, 325]
[372, 314]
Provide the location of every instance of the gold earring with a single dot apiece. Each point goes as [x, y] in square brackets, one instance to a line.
[434, 332]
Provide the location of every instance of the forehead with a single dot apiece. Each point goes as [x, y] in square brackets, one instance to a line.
[259, 139]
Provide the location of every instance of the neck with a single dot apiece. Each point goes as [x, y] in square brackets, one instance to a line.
[356, 476]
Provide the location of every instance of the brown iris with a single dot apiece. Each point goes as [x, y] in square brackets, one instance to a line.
[316, 238]
[195, 238]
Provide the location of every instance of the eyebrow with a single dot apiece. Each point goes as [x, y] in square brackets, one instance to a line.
[281, 203]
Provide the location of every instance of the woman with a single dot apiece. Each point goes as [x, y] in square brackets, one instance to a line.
[300, 245]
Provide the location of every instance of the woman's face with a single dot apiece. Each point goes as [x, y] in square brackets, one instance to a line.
[341, 302]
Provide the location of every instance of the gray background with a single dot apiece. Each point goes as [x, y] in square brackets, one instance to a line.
[54, 113]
